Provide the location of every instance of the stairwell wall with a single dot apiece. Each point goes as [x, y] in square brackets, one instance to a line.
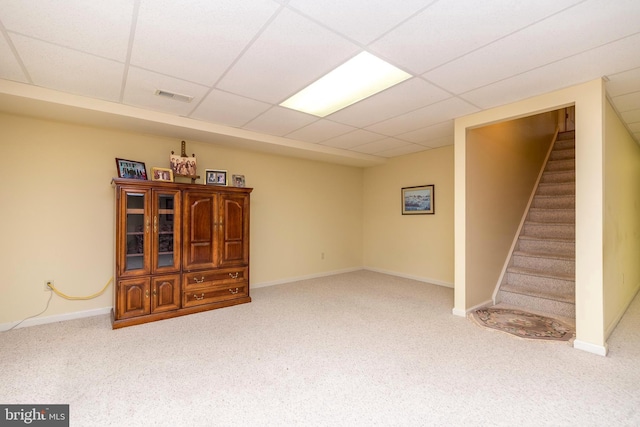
[503, 163]
[621, 219]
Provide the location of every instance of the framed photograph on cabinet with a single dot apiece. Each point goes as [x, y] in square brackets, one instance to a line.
[238, 180]
[418, 200]
[215, 177]
[161, 174]
[131, 169]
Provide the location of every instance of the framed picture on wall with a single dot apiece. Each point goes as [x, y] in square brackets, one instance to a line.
[418, 200]
[131, 169]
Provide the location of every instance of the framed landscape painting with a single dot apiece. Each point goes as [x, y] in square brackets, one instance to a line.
[418, 200]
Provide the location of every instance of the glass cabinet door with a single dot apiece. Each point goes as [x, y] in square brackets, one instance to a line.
[136, 229]
[166, 231]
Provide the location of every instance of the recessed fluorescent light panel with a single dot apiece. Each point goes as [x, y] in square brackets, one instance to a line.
[359, 78]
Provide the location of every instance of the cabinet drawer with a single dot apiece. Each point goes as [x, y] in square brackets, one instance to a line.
[213, 294]
[223, 276]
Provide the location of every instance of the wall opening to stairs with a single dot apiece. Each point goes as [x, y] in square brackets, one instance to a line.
[503, 164]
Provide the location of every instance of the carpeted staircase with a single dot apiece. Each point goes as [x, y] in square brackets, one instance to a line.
[541, 272]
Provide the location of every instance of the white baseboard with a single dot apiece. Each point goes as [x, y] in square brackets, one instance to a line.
[600, 350]
[299, 278]
[457, 312]
[56, 318]
[464, 313]
[408, 276]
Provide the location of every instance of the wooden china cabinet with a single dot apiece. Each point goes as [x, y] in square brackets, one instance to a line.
[180, 249]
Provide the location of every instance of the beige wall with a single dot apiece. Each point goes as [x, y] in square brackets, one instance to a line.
[57, 211]
[415, 246]
[622, 219]
[503, 164]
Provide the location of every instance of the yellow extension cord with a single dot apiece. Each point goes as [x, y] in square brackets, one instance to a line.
[69, 297]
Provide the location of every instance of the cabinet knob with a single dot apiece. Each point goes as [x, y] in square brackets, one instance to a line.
[195, 279]
[155, 224]
[234, 291]
[146, 293]
[201, 297]
[234, 275]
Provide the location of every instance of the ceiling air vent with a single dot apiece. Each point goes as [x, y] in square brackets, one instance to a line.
[174, 96]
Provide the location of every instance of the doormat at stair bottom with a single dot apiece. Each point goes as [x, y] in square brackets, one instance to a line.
[522, 324]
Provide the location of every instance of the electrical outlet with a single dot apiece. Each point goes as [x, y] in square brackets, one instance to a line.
[46, 285]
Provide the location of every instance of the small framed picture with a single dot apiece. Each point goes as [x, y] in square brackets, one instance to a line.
[215, 177]
[418, 200]
[238, 180]
[161, 174]
[131, 169]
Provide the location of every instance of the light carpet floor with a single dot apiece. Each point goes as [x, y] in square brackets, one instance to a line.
[359, 348]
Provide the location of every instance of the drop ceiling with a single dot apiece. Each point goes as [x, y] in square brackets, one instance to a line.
[104, 60]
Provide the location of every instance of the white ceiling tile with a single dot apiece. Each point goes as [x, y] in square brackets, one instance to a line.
[451, 28]
[402, 151]
[229, 109]
[627, 102]
[631, 116]
[141, 87]
[70, 71]
[576, 69]
[432, 114]
[399, 99]
[419, 136]
[10, 68]
[635, 127]
[439, 142]
[199, 40]
[537, 45]
[279, 121]
[360, 20]
[353, 139]
[625, 82]
[320, 131]
[381, 145]
[82, 25]
[292, 53]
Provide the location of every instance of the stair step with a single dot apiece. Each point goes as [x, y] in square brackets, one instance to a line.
[549, 230]
[546, 264]
[563, 136]
[552, 215]
[555, 296]
[556, 189]
[556, 246]
[560, 165]
[554, 202]
[558, 176]
[544, 281]
[563, 153]
[559, 305]
[563, 144]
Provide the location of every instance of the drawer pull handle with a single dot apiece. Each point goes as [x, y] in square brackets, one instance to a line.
[234, 275]
[201, 297]
[234, 291]
[195, 279]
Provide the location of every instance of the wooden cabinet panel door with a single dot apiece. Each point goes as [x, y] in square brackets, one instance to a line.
[166, 231]
[234, 237]
[133, 298]
[199, 250]
[165, 293]
[133, 232]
